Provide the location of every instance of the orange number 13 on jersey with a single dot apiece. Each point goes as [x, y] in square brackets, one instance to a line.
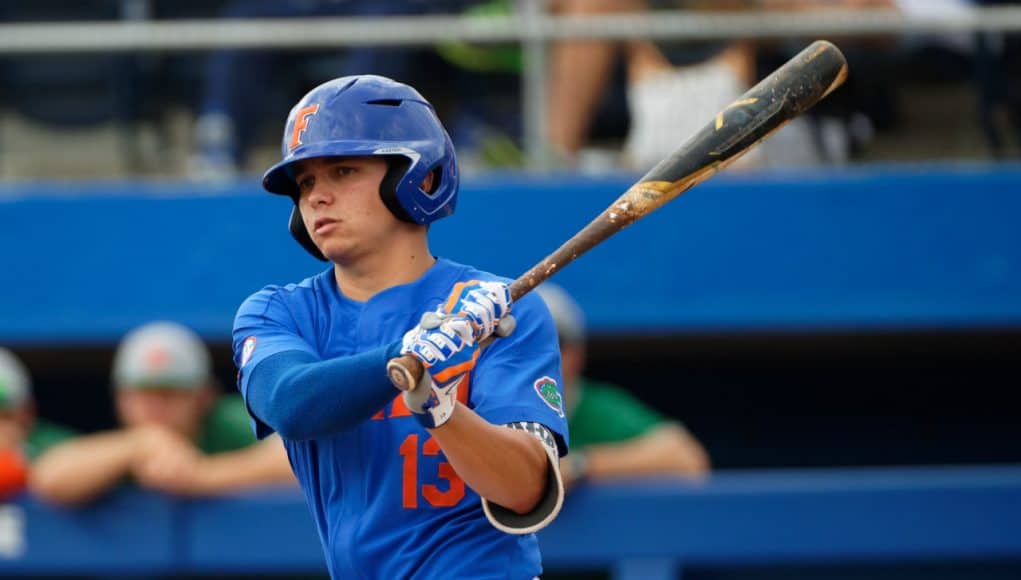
[431, 493]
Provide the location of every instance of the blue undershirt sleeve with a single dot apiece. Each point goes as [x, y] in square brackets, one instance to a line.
[301, 397]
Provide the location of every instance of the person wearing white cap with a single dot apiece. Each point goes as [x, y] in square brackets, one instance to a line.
[23, 437]
[176, 434]
[613, 434]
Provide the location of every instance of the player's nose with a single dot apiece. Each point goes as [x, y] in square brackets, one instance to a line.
[319, 194]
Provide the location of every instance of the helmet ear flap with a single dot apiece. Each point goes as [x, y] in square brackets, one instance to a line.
[437, 179]
[300, 233]
[397, 168]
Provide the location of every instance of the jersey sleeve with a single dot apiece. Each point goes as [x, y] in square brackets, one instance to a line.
[264, 326]
[518, 377]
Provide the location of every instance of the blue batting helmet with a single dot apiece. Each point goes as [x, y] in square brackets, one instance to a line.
[371, 115]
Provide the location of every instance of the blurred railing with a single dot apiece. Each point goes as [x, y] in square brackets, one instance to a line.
[532, 28]
[178, 35]
[646, 531]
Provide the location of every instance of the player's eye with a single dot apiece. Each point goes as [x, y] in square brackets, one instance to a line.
[305, 183]
[343, 170]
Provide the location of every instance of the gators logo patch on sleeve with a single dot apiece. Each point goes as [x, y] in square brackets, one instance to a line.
[546, 388]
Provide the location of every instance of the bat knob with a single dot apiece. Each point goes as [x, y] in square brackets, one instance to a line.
[400, 376]
[430, 320]
[506, 326]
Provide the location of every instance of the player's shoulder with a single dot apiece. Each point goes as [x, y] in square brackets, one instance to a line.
[296, 296]
[531, 302]
[472, 273]
[447, 272]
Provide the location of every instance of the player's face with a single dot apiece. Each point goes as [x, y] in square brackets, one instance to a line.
[340, 205]
[180, 410]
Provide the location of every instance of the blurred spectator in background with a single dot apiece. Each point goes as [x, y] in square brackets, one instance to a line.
[713, 77]
[613, 434]
[23, 437]
[704, 76]
[579, 72]
[485, 126]
[239, 82]
[177, 435]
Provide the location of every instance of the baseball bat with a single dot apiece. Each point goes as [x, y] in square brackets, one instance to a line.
[783, 95]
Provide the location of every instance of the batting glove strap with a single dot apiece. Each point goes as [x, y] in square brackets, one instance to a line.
[430, 404]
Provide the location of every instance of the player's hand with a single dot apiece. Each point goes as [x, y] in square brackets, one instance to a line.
[446, 347]
[444, 344]
[485, 304]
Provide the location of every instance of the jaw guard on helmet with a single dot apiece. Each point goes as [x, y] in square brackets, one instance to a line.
[371, 115]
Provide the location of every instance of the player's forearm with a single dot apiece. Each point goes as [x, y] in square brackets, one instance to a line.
[264, 463]
[668, 449]
[505, 466]
[82, 469]
[304, 398]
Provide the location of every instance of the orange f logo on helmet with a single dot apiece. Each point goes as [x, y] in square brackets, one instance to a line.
[301, 123]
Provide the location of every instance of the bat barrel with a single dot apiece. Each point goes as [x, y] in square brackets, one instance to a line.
[786, 93]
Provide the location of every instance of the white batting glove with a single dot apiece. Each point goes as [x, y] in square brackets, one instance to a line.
[432, 404]
[484, 303]
[445, 344]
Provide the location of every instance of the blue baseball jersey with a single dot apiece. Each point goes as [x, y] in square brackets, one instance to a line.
[386, 502]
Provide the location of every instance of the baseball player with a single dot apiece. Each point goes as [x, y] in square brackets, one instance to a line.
[451, 479]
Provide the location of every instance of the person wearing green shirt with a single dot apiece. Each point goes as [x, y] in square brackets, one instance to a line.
[177, 435]
[612, 433]
[23, 436]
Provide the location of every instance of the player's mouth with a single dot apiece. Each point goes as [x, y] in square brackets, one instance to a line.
[323, 225]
